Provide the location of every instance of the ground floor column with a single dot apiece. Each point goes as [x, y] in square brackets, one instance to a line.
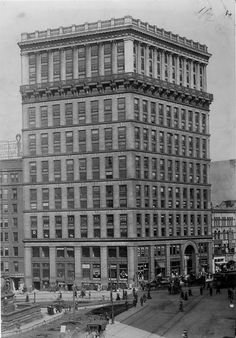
[78, 266]
[152, 263]
[52, 258]
[168, 260]
[210, 257]
[132, 265]
[104, 268]
[28, 267]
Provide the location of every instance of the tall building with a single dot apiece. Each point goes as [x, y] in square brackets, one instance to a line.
[11, 212]
[223, 181]
[116, 154]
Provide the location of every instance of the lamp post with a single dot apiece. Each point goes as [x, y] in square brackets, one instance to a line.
[111, 297]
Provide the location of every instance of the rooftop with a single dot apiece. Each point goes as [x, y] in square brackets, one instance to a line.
[101, 26]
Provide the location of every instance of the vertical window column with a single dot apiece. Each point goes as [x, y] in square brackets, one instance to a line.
[88, 60]
[155, 63]
[50, 66]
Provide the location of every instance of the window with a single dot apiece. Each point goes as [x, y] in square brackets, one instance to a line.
[32, 69]
[15, 222]
[69, 141]
[58, 198]
[70, 170]
[56, 143]
[96, 226]
[83, 197]
[69, 64]
[56, 66]
[82, 141]
[32, 144]
[33, 172]
[145, 111]
[139, 224]
[147, 225]
[145, 139]
[108, 138]
[96, 197]
[84, 226]
[96, 167]
[108, 110]
[56, 115]
[45, 173]
[86, 270]
[121, 109]
[33, 199]
[137, 137]
[146, 167]
[45, 198]
[136, 109]
[71, 226]
[109, 196]
[58, 226]
[31, 117]
[123, 226]
[107, 58]
[14, 207]
[109, 167]
[123, 196]
[70, 198]
[120, 57]
[137, 167]
[69, 114]
[138, 196]
[146, 196]
[33, 225]
[57, 170]
[122, 167]
[110, 226]
[154, 197]
[122, 138]
[81, 113]
[44, 67]
[15, 251]
[15, 236]
[154, 168]
[44, 144]
[46, 227]
[81, 62]
[83, 169]
[154, 141]
[94, 111]
[44, 116]
[95, 139]
[94, 60]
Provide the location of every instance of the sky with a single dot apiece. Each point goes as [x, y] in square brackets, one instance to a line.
[210, 22]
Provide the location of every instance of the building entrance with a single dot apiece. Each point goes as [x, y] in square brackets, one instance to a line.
[189, 260]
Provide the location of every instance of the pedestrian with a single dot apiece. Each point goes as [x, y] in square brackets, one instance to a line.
[141, 301]
[134, 292]
[201, 290]
[117, 296]
[169, 289]
[144, 298]
[182, 294]
[134, 302]
[181, 307]
[186, 296]
[60, 295]
[211, 291]
[190, 292]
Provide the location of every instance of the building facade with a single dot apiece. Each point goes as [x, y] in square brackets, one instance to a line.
[223, 181]
[11, 216]
[116, 154]
[224, 233]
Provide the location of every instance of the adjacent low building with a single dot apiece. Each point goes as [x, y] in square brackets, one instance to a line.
[11, 212]
[224, 233]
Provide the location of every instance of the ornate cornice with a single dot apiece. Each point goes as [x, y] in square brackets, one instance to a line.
[64, 34]
[116, 83]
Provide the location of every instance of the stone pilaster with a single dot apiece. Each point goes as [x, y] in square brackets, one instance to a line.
[28, 266]
[78, 266]
[104, 267]
[129, 63]
[52, 260]
[24, 69]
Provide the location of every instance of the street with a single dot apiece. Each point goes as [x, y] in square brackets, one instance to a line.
[203, 316]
